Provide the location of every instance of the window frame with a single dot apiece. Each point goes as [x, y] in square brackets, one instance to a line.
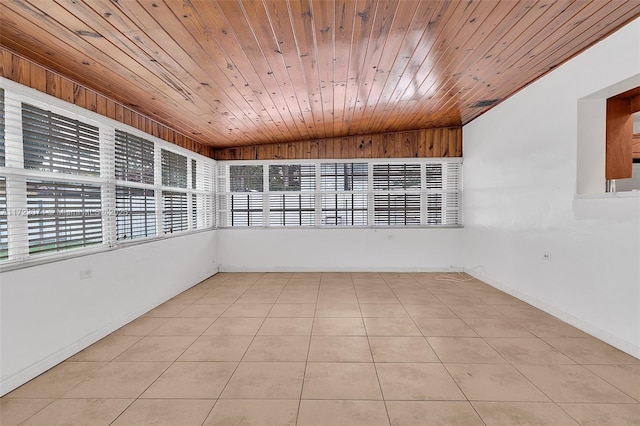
[224, 194]
[15, 177]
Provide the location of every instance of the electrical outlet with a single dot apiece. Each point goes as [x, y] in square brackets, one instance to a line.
[85, 274]
[546, 256]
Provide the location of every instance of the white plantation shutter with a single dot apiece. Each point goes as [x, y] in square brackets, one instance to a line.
[136, 213]
[419, 192]
[134, 160]
[73, 182]
[135, 206]
[2, 129]
[63, 215]
[57, 144]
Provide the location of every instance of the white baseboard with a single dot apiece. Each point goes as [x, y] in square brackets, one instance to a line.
[615, 341]
[238, 268]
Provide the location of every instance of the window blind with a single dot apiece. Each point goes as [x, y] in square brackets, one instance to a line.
[424, 192]
[174, 169]
[134, 160]
[136, 213]
[174, 212]
[2, 131]
[57, 144]
[63, 215]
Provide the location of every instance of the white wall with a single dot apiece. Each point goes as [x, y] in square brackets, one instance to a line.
[271, 249]
[520, 180]
[47, 313]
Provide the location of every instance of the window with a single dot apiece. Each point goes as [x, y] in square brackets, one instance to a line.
[57, 144]
[63, 215]
[424, 192]
[174, 169]
[344, 193]
[134, 158]
[135, 206]
[136, 213]
[2, 125]
[76, 181]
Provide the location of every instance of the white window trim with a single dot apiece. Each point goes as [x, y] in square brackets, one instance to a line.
[16, 176]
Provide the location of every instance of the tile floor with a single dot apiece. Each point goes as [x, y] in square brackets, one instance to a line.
[337, 349]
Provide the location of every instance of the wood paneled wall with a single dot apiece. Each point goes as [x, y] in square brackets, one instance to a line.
[23, 71]
[442, 142]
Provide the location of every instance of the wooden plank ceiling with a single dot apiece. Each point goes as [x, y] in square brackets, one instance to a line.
[230, 73]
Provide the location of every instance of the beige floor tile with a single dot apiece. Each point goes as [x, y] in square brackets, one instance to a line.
[432, 413]
[572, 383]
[57, 381]
[430, 311]
[270, 380]
[498, 299]
[475, 311]
[550, 327]
[166, 310]
[339, 349]
[417, 381]
[183, 327]
[466, 350]
[525, 350]
[203, 311]
[401, 349]
[604, 414]
[247, 310]
[278, 348]
[521, 311]
[342, 413]
[497, 328]
[589, 350]
[14, 411]
[457, 299]
[338, 327]
[324, 380]
[415, 297]
[192, 380]
[293, 310]
[217, 348]
[336, 297]
[106, 349]
[337, 310]
[140, 327]
[253, 412]
[286, 327]
[522, 414]
[297, 297]
[214, 298]
[386, 297]
[165, 412]
[624, 377]
[259, 297]
[494, 382]
[391, 327]
[119, 380]
[79, 412]
[383, 310]
[157, 348]
[234, 327]
[439, 327]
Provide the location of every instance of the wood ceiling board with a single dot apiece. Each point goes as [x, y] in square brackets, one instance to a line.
[246, 72]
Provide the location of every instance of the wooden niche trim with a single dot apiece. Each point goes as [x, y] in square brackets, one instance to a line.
[621, 144]
[425, 143]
